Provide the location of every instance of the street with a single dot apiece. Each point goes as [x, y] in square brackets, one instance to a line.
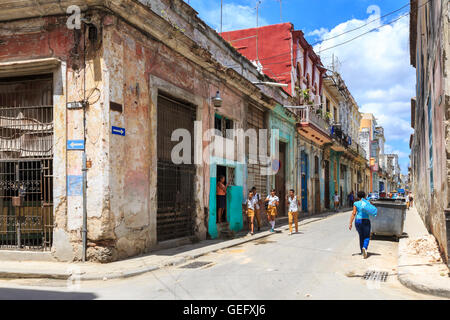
[322, 261]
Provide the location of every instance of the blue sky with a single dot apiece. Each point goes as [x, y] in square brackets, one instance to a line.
[375, 66]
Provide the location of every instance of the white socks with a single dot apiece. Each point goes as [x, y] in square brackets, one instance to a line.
[272, 223]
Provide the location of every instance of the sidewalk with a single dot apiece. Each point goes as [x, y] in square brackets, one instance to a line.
[137, 265]
[420, 266]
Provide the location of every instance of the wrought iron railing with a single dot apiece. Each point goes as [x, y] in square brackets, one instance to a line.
[311, 115]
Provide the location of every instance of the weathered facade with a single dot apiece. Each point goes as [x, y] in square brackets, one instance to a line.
[132, 72]
[327, 160]
[430, 145]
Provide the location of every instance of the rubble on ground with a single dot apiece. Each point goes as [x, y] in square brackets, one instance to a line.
[425, 246]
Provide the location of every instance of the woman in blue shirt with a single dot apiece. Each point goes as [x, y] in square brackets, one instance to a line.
[362, 222]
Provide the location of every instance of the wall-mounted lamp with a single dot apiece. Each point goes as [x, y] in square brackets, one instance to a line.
[217, 100]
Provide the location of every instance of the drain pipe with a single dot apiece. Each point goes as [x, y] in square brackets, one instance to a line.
[84, 169]
[84, 229]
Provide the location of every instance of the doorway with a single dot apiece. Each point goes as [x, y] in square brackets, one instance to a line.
[221, 171]
[316, 185]
[304, 167]
[327, 184]
[175, 182]
[280, 180]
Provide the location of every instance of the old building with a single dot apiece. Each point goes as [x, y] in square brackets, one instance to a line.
[93, 112]
[282, 53]
[369, 139]
[430, 165]
[328, 157]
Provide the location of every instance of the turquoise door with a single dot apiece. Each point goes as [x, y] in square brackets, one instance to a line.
[304, 167]
[234, 207]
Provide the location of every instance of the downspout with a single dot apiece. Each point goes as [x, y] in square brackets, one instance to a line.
[84, 169]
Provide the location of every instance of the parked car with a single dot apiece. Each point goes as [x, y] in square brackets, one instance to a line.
[373, 196]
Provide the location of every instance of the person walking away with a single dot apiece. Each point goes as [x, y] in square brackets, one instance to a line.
[273, 202]
[221, 197]
[293, 204]
[250, 211]
[361, 211]
[258, 205]
[410, 200]
[336, 201]
[407, 203]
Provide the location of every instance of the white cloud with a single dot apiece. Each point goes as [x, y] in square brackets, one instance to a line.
[319, 33]
[377, 71]
[234, 16]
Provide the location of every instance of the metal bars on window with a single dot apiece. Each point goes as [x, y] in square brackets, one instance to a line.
[26, 163]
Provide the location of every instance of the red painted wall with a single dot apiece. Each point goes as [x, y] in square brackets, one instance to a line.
[274, 49]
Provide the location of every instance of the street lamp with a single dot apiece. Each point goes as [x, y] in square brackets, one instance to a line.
[217, 100]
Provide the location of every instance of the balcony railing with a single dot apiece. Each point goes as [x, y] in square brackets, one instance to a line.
[310, 115]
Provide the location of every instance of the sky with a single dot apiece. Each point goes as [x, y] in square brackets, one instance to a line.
[375, 66]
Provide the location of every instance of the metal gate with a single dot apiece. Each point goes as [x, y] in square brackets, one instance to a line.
[26, 162]
[175, 185]
[255, 120]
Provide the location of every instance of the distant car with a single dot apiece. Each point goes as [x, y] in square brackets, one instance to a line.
[373, 196]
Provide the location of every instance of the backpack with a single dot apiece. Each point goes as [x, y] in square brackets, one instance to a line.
[368, 208]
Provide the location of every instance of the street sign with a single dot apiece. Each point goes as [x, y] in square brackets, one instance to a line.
[75, 144]
[74, 185]
[118, 130]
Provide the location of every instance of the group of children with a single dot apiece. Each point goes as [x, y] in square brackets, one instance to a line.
[253, 205]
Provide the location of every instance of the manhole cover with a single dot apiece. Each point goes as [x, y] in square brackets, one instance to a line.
[379, 276]
[196, 264]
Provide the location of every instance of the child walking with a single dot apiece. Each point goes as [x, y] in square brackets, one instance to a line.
[293, 204]
[257, 197]
[273, 202]
[250, 211]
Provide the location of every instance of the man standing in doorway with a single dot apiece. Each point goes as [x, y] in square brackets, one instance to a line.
[336, 201]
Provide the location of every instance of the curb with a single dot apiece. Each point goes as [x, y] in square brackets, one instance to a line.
[176, 261]
[409, 280]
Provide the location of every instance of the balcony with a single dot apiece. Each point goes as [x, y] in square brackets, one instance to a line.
[340, 139]
[313, 126]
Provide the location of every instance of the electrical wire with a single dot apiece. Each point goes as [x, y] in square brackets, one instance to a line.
[365, 33]
[388, 23]
[362, 26]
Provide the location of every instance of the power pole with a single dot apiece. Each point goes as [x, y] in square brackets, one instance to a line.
[257, 12]
[221, 14]
[281, 8]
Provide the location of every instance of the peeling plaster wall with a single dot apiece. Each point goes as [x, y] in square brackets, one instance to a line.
[431, 194]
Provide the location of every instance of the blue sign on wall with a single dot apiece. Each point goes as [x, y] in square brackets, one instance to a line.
[118, 130]
[74, 185]
[75, 144]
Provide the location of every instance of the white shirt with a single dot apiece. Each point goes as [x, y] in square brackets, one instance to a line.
[293, 206]
[251, 203]
[336, 198]
[272, 200]
[256, 197]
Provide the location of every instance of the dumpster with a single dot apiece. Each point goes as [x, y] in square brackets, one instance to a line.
[390, 217]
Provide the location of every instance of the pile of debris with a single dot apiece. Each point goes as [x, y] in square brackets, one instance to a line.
[425, 246]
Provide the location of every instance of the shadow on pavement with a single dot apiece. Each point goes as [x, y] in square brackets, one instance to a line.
[29, 294]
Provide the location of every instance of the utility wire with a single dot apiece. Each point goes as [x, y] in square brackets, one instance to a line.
[362, 26]
[359, 36]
